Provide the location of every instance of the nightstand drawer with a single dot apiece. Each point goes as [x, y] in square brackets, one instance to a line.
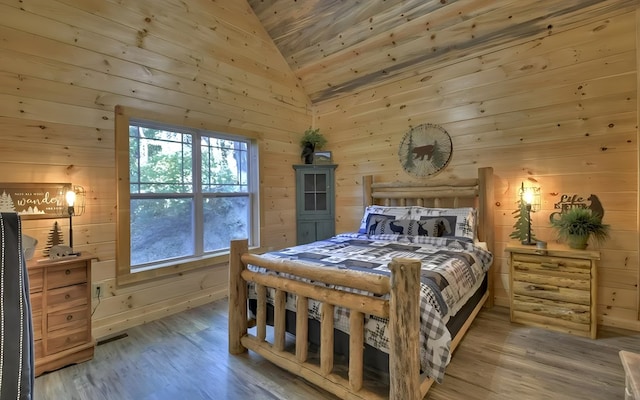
[552, 266]
[68, 319]
[67, 297]
[67, 340]
[66, 275]
[580, 283]
[552, 292]
[579, 313]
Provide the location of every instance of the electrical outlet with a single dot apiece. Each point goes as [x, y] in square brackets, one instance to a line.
[97, 290]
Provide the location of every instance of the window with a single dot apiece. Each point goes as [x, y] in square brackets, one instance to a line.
[190, 192]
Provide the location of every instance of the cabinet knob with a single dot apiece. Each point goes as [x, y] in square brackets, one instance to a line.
[69, 317]
[67, 272]
[67, 296]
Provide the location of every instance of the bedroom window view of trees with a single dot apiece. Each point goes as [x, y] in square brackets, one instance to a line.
[190, 193]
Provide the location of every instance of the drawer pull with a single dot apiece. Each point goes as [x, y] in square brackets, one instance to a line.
[69, 317]
[67, 272]
[550, 265]
[547, 289]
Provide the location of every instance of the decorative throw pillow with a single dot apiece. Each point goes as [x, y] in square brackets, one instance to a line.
[387, 211]
[374, 220]
[439, 226]
[458, 222]
[393, 227]
[434, 226]
[411, 227]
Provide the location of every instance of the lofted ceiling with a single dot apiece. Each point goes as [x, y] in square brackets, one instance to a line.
[340, 47]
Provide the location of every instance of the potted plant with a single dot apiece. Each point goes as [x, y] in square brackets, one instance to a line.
[311, 140]
[577, 225]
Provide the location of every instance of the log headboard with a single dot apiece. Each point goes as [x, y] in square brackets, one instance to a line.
[473, 192]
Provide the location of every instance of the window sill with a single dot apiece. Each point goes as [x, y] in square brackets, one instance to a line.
[171, 269]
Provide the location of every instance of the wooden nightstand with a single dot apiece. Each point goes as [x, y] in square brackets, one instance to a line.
[554, 288]
[60, 293]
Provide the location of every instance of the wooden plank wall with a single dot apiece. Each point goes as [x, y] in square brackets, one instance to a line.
[66, 64]
[560, 110]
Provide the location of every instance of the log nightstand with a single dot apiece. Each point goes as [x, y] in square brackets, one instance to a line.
[554, 288]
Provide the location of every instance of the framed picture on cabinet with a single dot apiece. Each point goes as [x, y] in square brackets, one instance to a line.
[322, 157]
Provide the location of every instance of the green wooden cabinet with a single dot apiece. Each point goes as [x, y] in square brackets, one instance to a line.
[315, 202]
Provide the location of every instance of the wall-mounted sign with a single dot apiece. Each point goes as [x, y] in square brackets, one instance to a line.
[568, 201]
[34, 200]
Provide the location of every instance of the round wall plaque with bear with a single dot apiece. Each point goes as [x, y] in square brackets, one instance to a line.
[425, 150]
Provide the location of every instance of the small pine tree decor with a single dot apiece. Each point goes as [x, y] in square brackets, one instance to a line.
[521, 225]
[53, 239]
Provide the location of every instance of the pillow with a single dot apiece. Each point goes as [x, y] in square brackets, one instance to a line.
[458, 222]
[388, 212]
[374, 219]
[411, 227]
[392, 227]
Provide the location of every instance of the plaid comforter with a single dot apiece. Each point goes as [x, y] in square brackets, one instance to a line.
[451, 269]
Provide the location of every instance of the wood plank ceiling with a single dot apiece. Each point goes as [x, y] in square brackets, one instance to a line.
[339, 47]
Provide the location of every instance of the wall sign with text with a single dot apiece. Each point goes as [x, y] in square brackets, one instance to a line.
[568, 201]
[34, 200]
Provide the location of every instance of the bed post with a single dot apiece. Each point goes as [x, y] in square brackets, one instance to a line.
[486, 197]
[237, 296]
[404, 323]
[367, 191]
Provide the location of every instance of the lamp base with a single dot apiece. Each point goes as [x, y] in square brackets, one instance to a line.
[529, 242]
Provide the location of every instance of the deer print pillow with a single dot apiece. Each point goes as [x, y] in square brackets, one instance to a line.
[387, 226]
[458, 222]
[382, 212]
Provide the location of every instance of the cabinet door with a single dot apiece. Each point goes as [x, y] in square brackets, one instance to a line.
[325, 229]
[315, 204]
[315, 193]
[310, 231]
[306, 232]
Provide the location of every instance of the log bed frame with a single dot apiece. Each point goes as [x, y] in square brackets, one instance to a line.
[401, 307]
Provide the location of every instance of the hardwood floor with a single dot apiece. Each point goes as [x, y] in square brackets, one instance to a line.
[184, 356]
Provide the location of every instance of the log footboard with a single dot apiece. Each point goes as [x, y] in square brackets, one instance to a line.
[401, 308]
